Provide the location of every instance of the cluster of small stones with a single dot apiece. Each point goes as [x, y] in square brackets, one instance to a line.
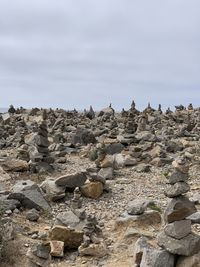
[177, 237]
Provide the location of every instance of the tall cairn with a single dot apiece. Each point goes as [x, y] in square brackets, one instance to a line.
[177, 237]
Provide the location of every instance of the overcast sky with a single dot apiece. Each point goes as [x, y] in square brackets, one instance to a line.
[62, 53]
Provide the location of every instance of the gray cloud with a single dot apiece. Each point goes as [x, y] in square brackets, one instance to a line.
[76, 53]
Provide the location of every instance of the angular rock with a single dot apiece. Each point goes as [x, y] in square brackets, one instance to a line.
[140, 245]
[157, 258]
[178, 229]
[92, 189]
[53, 191]
[72, 180]
[57, 248]
[178, 209]
[67, 218]
[72, 238]
[30, 196]
[176, 189]
[186, 246]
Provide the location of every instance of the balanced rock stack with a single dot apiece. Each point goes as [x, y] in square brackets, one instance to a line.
[177, 237]
[39, 152]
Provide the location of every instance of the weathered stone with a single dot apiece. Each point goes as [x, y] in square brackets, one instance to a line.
[95, 250]
[178, 229]
[192, 261]
[178, 209]
[157, 258]
[176, 189]
[29, 194]
[177, 176]
[72, 180]
[67, 218]
[106, 173]
[57, 248]
[195, 217]
[140, 245]
[114, 148]
[72, 238]
[92, 189]
[32, 215]
[186, 246]
[15, 165]
[53, 191]
[136, 207]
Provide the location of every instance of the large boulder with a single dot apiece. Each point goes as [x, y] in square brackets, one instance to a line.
[53, 191]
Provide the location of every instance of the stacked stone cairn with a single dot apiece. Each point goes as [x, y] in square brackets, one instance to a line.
[177, 237]
[39, 153]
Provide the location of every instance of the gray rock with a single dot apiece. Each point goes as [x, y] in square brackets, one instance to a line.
[195, 217]
[177, 176]
[114, 148]
[136, 207]
[157, 258]
[67, 218]
[72, 180]
[178, 229]
[195, 198]
[186, 246]
[177, 189]
[29, 195]
[9, 204]
[140, 245]
[53, 191]
[178, 209]
[41, 251]
[142, 167]
[32, 215]
[106, 173]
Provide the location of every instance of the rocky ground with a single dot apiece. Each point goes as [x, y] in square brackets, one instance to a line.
[80, 189]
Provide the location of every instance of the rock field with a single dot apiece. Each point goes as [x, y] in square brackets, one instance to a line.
[100, 189]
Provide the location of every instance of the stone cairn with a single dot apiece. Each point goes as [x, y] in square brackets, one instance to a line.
[177, 237]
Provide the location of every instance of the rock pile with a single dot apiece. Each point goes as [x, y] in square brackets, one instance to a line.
[177, 237]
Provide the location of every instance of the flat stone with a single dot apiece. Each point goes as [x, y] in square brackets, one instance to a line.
[72, 180]
[95, 250]
[178, 209]
[178, 229]
[57, 248]
[72, 238]
[176, 189]
[186, 246]
[140, 245]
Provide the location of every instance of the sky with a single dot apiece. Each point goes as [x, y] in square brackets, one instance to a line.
[77, 53]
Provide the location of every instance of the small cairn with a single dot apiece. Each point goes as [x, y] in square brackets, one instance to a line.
[177, 237]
